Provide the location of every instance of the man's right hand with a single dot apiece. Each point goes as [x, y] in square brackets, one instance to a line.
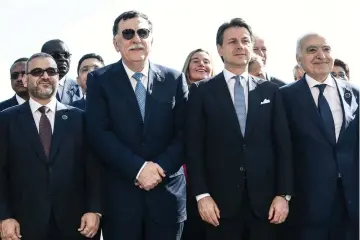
[209, 211]
[10, 229]
[150, 176]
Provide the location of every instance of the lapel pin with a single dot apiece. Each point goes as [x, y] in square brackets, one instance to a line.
[347, 95]
[64, 117]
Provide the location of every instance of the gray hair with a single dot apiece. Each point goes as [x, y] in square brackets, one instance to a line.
[37, 55]
[301, 40]
[297, 66]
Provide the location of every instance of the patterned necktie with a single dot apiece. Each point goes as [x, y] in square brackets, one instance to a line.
[45, 132]
[239, 102]
[140, 93]
[325, 113]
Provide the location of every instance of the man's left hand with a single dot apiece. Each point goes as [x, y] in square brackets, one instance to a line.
[279, 210]
[89, 224]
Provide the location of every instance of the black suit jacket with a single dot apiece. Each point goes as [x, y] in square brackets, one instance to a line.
[217, 153]
[9, 103]
[317, 159]
[275, 80]
[80, 104]
[33, 187]
[124, 142]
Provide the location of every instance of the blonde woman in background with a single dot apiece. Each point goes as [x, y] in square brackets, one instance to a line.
[198, 66]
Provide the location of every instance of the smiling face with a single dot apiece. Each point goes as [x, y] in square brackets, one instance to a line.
[315, 57]
[200, 66]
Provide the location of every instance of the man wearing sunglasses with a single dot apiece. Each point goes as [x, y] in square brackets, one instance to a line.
[89, 62]
[134, 115]
[49, 182]
[68, 90]
[17, 70]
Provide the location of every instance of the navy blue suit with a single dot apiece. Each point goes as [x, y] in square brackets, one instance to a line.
[8, 103]
[124, 142]
[80, 104]
[318, 161]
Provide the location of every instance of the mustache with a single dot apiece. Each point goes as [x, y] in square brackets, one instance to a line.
[136, 46]
[45, 82]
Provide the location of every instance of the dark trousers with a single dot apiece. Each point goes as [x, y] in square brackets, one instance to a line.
[339, 227]
[244, 225]
[140, 229]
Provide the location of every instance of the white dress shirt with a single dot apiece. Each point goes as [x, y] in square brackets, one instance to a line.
[332, 97]
[133, 81]
[230, 81]
[34, 106]
[20, 100]
[61, 86]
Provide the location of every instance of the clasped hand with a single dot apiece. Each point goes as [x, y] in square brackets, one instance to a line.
[150, 176]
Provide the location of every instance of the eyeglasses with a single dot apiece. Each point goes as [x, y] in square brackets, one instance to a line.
[38, 72]
[128, 34]
[15, 75]
[339, 75]
[58, 55]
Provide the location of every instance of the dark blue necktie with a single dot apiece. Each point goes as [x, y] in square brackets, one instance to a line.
[325, 113]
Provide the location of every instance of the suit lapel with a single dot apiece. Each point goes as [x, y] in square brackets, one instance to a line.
[155, 82]
[14, 101]
[306, 100]
[254, 103]
[122, 86]
[61, 122]
[225, 103]
[28, 125]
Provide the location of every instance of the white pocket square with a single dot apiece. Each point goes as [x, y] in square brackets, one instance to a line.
[265, 101]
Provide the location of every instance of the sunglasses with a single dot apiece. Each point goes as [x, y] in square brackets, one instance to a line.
[58, 55]
[39, 72]
[15, 75]
[339, 75]
[128, 34]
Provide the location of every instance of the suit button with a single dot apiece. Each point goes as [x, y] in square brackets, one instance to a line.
[244, 147]
[241, 169]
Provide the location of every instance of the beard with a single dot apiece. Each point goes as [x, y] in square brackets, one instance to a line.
[41, 92]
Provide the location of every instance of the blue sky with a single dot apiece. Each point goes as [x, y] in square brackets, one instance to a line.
[179, 27]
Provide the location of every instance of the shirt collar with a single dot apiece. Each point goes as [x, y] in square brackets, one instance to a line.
[130, 73]
[34, 105]
[19, 99]
[229, 75]
[62, 81]
[312, 82]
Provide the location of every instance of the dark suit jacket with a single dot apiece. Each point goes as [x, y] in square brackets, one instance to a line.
[32, 187]
[80, 104]
[275, 80]
[121, 139]
[316, 158]
[217, 152]
[8, 103]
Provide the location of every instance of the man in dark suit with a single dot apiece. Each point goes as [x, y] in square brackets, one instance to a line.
[238, 145]
[17, 70]
[134, 113]
[87, 63]
[49, 184]
[323, 116]
[260, 49]
[68, 90]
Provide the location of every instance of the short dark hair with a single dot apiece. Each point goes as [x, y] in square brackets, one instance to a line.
[87, 56]
[235, 22]
[129, 15]
[343, 65]
[23, 59]
[37, 55]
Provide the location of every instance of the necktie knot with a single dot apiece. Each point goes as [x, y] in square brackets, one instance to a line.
[137, 76]
[43, 109]
[321, 88]
[237, 79]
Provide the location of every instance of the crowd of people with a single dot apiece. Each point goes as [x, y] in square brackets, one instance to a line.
[135, 150]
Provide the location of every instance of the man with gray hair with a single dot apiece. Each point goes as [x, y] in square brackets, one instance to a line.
[323, 116]
[298, 72]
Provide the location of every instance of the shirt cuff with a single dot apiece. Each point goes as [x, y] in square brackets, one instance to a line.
[99, 214]
[137, 176]
[201, 196]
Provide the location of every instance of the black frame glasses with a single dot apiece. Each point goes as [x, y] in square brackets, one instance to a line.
[128, 34]
[39, 72]
[15, 75]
